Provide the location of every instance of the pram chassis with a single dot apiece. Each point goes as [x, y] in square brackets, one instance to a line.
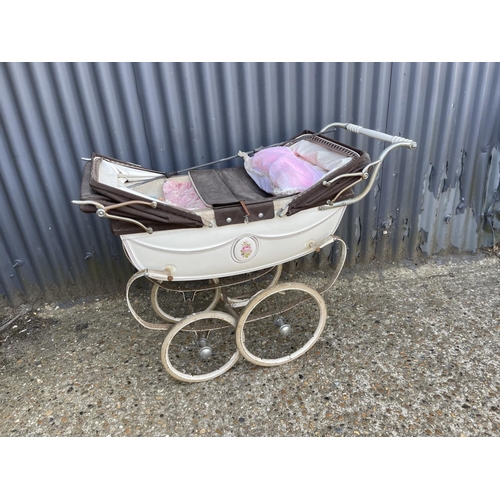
[201, 327]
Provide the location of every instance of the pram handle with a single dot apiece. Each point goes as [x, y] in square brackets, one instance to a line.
[371, 170]
[374, 134]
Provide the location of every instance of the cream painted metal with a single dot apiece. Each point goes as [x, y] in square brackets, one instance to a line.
[210, 252]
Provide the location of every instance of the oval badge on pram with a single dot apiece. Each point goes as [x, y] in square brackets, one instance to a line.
[245, 249]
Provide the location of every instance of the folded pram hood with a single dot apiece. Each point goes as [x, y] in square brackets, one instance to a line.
[161, 218]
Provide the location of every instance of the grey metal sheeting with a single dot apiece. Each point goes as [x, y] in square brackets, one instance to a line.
[443, 197]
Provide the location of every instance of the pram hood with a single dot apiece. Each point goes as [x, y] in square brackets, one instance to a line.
[163, 217]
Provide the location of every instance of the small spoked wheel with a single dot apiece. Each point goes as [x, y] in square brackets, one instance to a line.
[239, 294]
[280, 324]
[200, 347]
[181, 303]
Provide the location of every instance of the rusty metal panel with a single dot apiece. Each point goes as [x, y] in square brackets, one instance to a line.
[444, 197]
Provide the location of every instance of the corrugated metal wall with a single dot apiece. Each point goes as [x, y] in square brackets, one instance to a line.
[444, 197]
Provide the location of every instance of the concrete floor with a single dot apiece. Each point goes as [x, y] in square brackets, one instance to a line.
[408, 350]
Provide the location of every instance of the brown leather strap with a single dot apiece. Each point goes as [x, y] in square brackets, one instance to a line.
[245, 208]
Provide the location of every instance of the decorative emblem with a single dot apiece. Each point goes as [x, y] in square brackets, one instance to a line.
[245, 249]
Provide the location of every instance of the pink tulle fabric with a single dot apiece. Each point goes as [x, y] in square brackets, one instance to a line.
[182, 194]
[287, 173]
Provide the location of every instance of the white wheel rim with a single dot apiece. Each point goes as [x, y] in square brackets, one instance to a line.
[261, 296]
[174, 372]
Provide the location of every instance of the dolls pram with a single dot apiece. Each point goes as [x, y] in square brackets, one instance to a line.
[231, 236]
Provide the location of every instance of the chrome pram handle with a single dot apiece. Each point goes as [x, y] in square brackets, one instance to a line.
[374, 134]
[369, 173]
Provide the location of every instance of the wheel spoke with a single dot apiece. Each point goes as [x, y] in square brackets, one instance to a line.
[249, 284]
[173, 305]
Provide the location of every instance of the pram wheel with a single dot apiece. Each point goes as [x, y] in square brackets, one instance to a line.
[183, 302]
[280, 324]
[200, 347]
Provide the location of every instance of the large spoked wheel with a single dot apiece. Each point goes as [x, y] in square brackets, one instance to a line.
[280, 324]
[200, 347]
[181, 303]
